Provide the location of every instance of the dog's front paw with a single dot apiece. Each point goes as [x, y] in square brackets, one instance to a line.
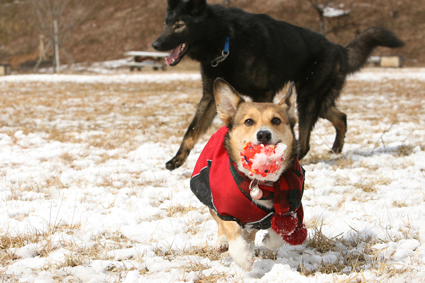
[176, 161]
[221, 245]
[242, 253]
[272, 241]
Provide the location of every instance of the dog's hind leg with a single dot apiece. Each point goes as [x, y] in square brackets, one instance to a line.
[317, 99]
[204, 115]
[306, 121]
[339, 121]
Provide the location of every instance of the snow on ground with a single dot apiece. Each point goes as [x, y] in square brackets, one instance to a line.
[85, 197]
[370, 74]
[123, 78]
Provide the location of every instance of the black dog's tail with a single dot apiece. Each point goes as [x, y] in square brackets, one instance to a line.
[362, 46]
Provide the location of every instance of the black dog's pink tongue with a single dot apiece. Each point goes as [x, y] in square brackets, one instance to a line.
[174, 55]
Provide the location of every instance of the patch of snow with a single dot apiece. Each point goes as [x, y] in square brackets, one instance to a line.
[330, 12]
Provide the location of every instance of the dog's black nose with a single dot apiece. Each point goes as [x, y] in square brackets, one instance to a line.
[264, 136]
[156, 45]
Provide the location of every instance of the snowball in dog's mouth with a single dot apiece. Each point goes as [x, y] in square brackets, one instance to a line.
[176, 54]
[263, 160]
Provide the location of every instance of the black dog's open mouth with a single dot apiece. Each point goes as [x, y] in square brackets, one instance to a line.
[177, 54]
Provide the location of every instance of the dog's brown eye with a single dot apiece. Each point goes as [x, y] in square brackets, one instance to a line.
[276, 121]
[249, 122]
[179, 25]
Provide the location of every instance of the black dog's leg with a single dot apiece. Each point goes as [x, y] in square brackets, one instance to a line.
[339, 121]
[310, 105]
[316, 98]
[308, 116]
[203, 117]
[306, 122]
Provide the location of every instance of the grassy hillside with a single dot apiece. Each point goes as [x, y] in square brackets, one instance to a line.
[116, 26]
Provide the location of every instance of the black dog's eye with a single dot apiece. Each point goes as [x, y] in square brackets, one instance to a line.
[276, 121]
[249, 122]
[179, 25]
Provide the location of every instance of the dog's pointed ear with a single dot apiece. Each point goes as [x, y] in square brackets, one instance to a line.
[226, 99]
[173, 3]
[196, 6]
[289, 103]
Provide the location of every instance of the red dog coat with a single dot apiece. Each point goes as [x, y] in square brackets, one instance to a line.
[218, 184]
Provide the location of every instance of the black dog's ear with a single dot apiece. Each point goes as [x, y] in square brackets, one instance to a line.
[173, 3]
[196, 6]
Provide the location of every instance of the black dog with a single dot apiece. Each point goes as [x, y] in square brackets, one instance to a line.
[258, 55]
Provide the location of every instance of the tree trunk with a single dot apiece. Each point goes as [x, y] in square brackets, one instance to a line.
[57, 60]
[322, 23]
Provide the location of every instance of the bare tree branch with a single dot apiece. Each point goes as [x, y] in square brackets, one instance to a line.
[67, 13]
[320, 9]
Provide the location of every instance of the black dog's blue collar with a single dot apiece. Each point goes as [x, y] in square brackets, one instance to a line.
[227, 44]
[224, 53]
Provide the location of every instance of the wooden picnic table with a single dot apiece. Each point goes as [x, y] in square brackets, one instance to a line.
[141, 59]
[386, 61]
[5, 69]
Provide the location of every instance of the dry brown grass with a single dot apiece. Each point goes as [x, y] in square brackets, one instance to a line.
[8, 242]
[158, 200]
[343, 162]
[353, 255]
[370, 185]
[216, 277]
[401, 103]
[404, 150]
[266, 254]
[203, 251]
[94, 107]
[399, 203]
[178, 210]
[315, 157]
[20, 190]
[349, 258]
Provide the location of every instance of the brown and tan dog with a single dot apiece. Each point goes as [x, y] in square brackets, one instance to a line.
[222, 183]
